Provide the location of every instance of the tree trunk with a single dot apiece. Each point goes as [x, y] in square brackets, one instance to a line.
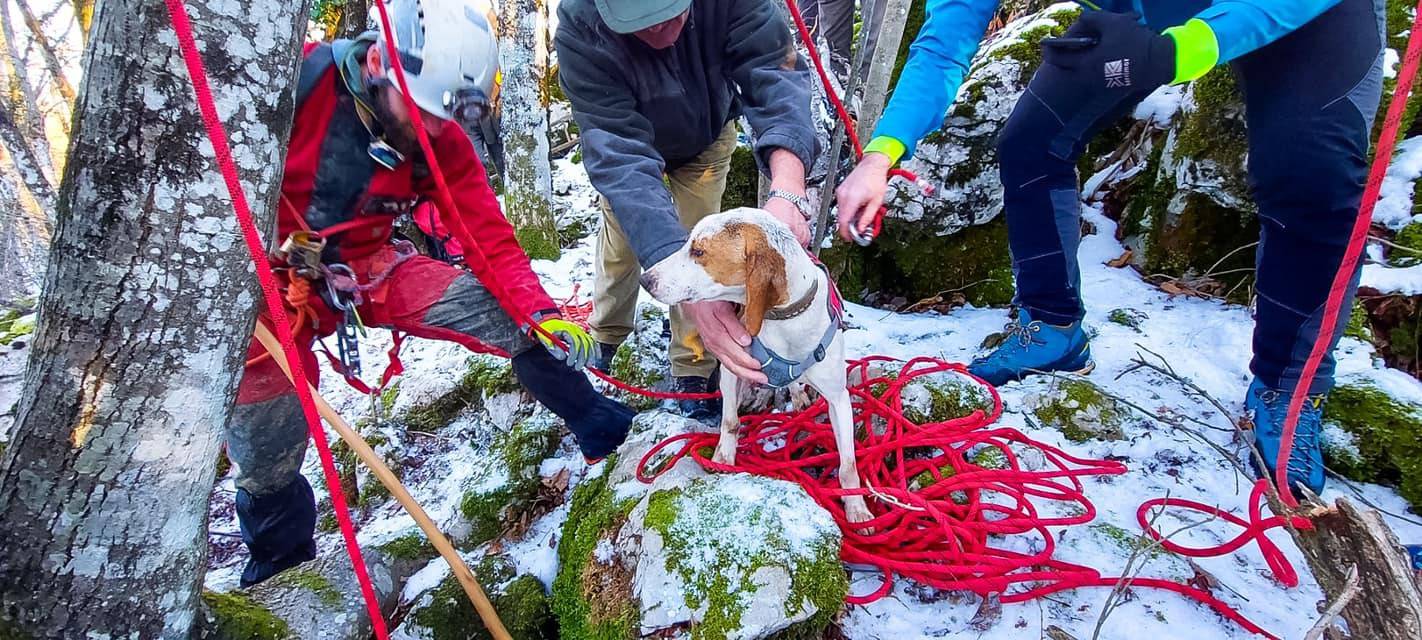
[51, 60]
[528, 178]
[881, 66]
[143, 325]
[30, 149]
[355, 17]
[1344, 536]
[24, 237]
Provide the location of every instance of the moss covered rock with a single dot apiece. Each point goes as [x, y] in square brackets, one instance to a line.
[944, 396]
[485, 376]
[235, 616]
[507, 485]
[742, 181]
[694, 555]
[641, 360]
[445, 613]
[1079, 410]
[1384, 444]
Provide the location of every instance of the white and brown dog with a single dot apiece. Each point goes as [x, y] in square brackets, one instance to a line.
[791, 310]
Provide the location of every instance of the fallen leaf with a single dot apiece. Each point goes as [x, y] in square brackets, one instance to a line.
[1121, 260]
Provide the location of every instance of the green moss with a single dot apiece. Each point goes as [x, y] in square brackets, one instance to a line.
[627, 367]
[552, 88]
[485, 375]
[518, 453]
[1028, 48]
[1358, 326]
[388, 398]
[237, 617]
[1080, 411]
[493, 375]
[310, 581]
[742, 181]
[520, 601]
[15, 324]
[1409, 236]
[327, 523]
[409, 547]
[585, 611]
[1385, 431]
[539, 242]
[990, 458]
[1126, 317]
[819, 580]
[372, 493]
[949, 397]
[1399, 16]
[1215, 129]
[911, 261]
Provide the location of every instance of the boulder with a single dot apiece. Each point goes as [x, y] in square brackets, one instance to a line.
[694, 555]
[445, 613]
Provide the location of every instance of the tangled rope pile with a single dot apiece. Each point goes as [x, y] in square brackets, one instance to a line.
[940, 519]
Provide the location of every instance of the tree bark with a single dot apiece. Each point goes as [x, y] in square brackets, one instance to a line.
[51, 59]
[881, 66]
[1345, 536]
[528, 178]
[24, 238]
[29, 163]
[22, 101]
[355, 17]
[143, 325]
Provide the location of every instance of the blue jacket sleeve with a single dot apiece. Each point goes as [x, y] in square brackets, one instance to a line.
[937, 63]
[1242, 26]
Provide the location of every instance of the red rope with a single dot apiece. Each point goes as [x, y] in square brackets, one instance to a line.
[939, 518]
[1333, 308]
[844, 118]
[271, 290]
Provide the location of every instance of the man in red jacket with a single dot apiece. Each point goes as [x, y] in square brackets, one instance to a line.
[354, 166]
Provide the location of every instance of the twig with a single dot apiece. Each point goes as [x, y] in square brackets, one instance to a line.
[1330, 615]
[1358, 493]
[1211, 271]
[1132, 570]
[1393, 245]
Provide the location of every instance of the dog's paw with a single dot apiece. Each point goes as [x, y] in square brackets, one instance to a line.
[857, 512]
[725, 455]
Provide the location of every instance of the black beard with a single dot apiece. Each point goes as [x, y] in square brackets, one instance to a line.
[402, 138]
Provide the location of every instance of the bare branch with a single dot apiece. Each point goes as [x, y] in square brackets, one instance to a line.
[51, 59]
[1353, 588]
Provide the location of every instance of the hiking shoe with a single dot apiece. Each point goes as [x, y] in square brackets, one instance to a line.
[602, 360]
[1268, 408]
[708, 411]
[1032, 346]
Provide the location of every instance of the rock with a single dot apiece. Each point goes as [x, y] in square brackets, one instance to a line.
[485, 377]
[694, 555]
[1384, 446]
[317, 600]
[1079, 410]
[445, 613]
[642, 359]
[501, 493]
[942, 396]
[953, 241]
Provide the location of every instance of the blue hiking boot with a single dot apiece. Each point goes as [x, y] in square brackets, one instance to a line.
[1032, 346]
[1268, 408]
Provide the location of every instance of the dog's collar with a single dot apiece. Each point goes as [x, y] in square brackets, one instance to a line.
[781, 371]
[797, 307]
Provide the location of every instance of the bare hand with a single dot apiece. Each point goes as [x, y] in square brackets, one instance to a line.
[785, 211]
[862, 194]
[724, 335]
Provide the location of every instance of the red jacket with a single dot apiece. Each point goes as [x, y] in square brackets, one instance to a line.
[388, 193]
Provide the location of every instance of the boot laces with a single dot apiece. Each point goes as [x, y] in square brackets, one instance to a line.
[1306, 434]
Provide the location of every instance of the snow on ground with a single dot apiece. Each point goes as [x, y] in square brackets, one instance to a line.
[1207, 342]
[1394, 208]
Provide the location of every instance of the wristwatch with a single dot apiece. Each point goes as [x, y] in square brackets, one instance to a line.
[801, 202]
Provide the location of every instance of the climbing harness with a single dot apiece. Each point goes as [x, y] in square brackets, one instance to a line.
[781, 371]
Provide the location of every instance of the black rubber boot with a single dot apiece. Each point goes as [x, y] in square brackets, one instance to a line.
[278, 529]
[708, 411]
[599, 423]
[605, 354]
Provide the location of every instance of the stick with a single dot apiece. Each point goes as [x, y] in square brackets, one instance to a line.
[377, 466]
[1336, 609]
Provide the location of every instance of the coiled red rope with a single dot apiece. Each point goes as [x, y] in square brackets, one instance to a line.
[271, 290]
[940, 519]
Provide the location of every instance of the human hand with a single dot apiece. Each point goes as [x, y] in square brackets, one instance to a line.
[861, 195]
[724, 335]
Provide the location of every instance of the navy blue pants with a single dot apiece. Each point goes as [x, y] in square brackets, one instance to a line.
[1310, 98]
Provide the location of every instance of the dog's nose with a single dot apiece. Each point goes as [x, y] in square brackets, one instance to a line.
[649, 282]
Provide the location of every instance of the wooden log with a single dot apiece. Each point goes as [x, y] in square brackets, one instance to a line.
[1391, 607]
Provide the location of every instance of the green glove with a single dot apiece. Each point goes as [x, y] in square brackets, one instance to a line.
[580, 346]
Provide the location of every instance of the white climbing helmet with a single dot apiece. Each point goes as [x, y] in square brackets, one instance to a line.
[450, 54]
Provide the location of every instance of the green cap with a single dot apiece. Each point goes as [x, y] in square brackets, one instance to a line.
[626, 16]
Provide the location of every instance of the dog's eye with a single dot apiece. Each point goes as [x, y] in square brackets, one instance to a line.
[697, 253]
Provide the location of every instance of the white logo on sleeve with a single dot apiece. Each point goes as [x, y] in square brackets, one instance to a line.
[1118, 73]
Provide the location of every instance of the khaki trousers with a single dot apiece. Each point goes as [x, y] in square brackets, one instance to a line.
[696, 189]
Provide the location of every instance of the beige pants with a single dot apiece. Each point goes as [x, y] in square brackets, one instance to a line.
[696, 188]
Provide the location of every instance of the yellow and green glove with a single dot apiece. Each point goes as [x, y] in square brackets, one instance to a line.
[579, 348]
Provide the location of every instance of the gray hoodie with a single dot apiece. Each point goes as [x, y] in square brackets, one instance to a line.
[642, 112]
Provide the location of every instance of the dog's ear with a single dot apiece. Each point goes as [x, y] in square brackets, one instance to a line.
[765, 278]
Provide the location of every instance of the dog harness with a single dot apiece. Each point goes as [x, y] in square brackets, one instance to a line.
[781, 371]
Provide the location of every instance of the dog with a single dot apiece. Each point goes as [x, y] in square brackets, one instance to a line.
[790, 308]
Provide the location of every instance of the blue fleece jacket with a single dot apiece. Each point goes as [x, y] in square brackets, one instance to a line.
[939, 57]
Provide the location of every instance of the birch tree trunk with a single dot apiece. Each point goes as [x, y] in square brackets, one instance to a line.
[143, 325]
[528, 178]
[881, 66]
[355, 17]
[24, 134]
